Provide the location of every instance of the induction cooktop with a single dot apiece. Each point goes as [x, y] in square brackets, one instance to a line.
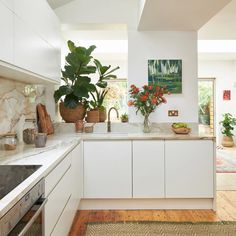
[13, 175]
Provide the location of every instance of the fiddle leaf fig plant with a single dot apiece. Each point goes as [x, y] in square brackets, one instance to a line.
[77, 87]
[76, 73]
[228, 124]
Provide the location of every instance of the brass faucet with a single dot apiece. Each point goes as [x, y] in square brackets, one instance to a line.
[109, 119]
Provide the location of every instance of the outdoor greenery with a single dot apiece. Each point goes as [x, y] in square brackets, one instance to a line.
[228, 124]
[166, 73]
[204, 99]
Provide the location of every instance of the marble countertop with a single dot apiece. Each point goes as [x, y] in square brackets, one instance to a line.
[133, 131]
[48, 157]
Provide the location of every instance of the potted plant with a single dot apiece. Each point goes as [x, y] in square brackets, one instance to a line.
[124, 118]
[228, 124]
[77, 83]
[97, 112]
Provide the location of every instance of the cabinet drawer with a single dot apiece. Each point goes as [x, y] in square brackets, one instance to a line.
[57, 201]
[55, 175]
[63, 225]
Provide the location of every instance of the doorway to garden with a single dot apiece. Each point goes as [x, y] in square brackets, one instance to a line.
[206, 105]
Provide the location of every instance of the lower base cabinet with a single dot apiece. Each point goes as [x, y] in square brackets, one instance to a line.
[148, 169]
[189, 168]
[107, 169]
[63, 200]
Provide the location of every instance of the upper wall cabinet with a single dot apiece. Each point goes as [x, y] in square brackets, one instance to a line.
[8, 3]
[41, 19]
[30, 47]
[6, 29]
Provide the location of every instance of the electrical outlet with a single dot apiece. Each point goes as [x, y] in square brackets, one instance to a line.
[173, 112]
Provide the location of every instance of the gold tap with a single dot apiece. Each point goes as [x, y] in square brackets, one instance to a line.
[109, 119]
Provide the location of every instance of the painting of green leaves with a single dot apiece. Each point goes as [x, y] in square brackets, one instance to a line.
[166, 73]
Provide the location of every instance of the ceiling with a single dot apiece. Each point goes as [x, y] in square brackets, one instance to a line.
[58, 3]
[178, 14]
[222, 25]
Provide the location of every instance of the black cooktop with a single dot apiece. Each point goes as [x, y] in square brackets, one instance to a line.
[13, 175]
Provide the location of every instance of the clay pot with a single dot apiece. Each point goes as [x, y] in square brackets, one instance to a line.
[72, 115]
[92, 116]
[102, 115]
[227, 141]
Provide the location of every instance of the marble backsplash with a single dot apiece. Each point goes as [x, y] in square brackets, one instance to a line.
[18, 102]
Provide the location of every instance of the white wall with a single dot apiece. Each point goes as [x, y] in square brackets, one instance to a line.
[165, 45]
[225, 74]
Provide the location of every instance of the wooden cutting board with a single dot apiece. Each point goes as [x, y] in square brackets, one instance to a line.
[44, 120]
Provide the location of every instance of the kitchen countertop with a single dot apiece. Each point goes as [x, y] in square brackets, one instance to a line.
[48, 157]
[60, 144]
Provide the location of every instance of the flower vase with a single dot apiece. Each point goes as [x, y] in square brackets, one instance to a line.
[146, 124]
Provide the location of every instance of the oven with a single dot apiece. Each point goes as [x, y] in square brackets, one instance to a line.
[25, 217]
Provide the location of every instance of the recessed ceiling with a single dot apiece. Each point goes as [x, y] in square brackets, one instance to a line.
[58, 3]
[178, 14]
[222, 25]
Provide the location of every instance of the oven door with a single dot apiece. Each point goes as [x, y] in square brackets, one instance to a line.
[31, 223]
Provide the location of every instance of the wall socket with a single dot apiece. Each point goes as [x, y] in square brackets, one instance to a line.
[173, 113]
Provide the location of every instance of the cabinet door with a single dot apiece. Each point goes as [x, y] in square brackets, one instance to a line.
[57, 201]
[189, 169]
[77, 174]
[6, 32]
[9, 4]
[148, 169]
[107, 169]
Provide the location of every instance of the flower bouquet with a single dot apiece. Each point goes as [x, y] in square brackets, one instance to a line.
[146, 100]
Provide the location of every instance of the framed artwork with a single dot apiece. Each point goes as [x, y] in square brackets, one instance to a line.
[166, 73]
[226, 95]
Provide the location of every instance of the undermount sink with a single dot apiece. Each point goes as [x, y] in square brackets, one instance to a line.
[116, 129]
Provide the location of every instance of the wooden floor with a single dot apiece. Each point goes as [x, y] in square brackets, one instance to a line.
[226, 211]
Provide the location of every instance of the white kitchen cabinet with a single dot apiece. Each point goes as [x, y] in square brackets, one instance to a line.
[46, 24]
[30, 41]
[63, 225]
[33, 53]
[189, 167]
[7, 33]
[77, 175]
[9, 4]
[63, 188]
[148, 169]
[57, 201]
[107, 169]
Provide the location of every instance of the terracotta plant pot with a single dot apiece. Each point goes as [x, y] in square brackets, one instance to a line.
[92, 116]
[227, 141]
[72, 115]
[102, 115]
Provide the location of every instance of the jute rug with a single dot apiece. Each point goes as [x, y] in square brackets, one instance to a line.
[162, 228]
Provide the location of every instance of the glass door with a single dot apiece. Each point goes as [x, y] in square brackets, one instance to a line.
[206, 105]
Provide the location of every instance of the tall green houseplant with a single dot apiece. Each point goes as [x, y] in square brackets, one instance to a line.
[74, 95]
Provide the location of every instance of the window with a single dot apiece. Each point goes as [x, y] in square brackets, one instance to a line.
[117, 96]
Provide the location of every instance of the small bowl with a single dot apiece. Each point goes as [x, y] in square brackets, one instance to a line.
[181, 130]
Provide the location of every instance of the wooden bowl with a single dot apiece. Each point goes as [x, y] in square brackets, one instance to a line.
[181, 130]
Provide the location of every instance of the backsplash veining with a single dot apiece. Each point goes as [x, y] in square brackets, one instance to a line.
[17, 102]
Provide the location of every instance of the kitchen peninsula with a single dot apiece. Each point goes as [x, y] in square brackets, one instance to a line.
[116, 170]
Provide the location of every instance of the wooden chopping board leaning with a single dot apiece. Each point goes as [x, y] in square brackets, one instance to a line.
[44, 120]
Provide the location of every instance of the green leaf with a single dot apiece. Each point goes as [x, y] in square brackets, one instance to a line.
[71, 45]
[63, 90]
[71, 101]
[101, 84]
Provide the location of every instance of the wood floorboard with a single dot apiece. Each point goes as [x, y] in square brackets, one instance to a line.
[226, 211]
